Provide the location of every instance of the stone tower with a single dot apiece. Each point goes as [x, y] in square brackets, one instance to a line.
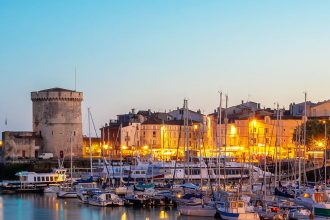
[57, 119]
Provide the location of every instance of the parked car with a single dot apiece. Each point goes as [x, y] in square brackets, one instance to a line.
[46, 156]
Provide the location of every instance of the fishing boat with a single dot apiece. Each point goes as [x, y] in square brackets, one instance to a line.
[321, 207]
[237, 210]
[234, 208]
[105, 199]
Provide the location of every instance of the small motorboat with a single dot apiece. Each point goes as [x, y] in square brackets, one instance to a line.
[105, 199]
[296, 214]
[123, 190]
[66, 193]
[52, 189]
[84, 194]
[137, 199]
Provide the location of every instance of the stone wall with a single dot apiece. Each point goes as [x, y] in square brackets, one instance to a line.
[57, 119]
[20, 145]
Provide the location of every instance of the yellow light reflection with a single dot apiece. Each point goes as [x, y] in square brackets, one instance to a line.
[162, 215]
[123, 216]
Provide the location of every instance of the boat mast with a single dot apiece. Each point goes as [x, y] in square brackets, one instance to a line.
[280, 144]
[185, 123]
[299, 166]
[177, 152]
[220, 138]
[121, 155]
[276, 146]
[226, 125]
[265, 165]
[90, 141]
[305, 120]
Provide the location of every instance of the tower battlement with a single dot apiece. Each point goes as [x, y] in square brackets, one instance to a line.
[56, 94]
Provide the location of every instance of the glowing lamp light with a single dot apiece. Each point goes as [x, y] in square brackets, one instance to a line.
[320, 144]
[232, 130]
[124, 147]
[195, 127]
[145, 147]
[105, 147]
[254, 122]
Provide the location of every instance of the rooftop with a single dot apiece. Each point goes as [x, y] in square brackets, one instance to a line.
[56, 89]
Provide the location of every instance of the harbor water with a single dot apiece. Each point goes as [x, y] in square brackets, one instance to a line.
[48, 207]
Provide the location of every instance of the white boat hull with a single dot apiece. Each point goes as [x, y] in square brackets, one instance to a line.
[62, 194]
[198, 211]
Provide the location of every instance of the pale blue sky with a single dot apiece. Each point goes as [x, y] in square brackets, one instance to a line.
[152, 54]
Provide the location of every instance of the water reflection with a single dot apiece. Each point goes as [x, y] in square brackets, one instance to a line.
[38, 206]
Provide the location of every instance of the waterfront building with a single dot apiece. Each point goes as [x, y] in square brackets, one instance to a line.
[57, 126]
[254, 135]
[180, 113]
[145, 133]
[23, 145]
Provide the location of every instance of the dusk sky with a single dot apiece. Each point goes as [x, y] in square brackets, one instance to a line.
[152, 54]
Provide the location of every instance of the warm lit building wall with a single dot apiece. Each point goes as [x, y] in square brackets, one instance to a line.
[321, 109]
[162, 138]
[243, 137]
[266, 132]
[130, 135]
[96, 147]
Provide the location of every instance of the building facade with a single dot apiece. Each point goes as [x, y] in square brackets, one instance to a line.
[23, 145]
[57, 119]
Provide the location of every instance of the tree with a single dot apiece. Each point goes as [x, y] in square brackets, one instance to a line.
[315, 133]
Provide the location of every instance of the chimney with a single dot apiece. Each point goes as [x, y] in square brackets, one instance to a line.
[242, 102]
[133, 111]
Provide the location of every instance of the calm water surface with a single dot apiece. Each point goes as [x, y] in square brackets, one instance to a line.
[48, 207]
